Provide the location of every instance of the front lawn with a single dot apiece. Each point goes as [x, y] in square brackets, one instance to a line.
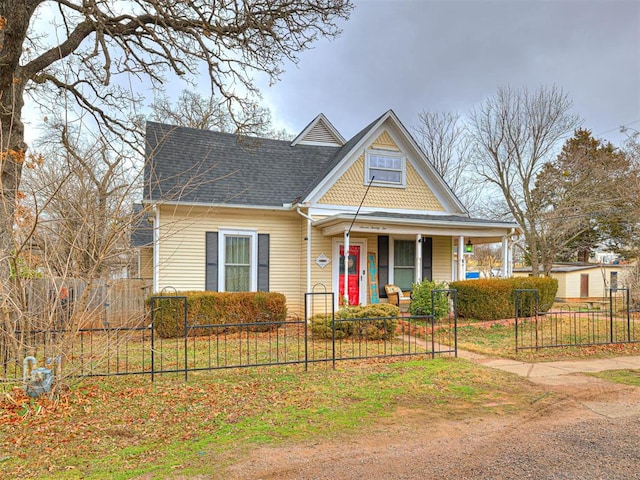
[124, 427]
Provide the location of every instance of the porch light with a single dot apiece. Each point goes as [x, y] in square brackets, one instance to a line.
[468, 248]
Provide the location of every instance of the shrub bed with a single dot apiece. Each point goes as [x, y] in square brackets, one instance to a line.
[218, 308]
[494, 299]
[383, 329]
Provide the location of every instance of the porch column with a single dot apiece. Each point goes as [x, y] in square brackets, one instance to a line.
[505, 257]
[418, 272]
[345, 295]
[460, 258]
[308, 255]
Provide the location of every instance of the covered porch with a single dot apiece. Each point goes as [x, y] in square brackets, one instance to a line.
[402, 249]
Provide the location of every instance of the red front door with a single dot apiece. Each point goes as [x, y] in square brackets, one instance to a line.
[352, 273]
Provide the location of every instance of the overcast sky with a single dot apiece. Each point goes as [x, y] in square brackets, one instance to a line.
[449, 55]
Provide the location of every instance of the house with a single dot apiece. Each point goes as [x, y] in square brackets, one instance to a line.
[235, 213]
[583, 281]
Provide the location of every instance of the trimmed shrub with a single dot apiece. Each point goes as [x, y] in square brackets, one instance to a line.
[383, 329]
[547, 289]
[484, 299]
[218, 308]
[494, 298]
[421, 301]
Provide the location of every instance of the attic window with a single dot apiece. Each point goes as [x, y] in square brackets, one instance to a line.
[389, 169]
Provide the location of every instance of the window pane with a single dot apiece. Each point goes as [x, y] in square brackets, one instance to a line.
[237, 274]
[385, 175]
[403, 278]
[404, 253]
[237, 279]
[238, 250]
[404, 257]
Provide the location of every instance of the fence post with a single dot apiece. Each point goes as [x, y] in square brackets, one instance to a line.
[611, 315]
[186, 342]
[627, 299]
[153, 348]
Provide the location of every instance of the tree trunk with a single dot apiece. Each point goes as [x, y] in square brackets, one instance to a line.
[14, 22]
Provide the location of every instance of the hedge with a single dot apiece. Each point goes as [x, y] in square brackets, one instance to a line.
[218, 308]
[321, 325]
[494, 299]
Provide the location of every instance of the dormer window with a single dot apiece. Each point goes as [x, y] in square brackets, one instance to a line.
[388, 169]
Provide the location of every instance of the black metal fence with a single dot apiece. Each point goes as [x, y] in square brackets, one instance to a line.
[206, 345]
[587, 323]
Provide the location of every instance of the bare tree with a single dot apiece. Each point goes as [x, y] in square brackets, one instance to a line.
[442, 137]
[514, 133]
[81, 196]
[193, 110]
[488, 258]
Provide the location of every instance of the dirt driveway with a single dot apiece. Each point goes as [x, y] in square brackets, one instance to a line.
[584, 428]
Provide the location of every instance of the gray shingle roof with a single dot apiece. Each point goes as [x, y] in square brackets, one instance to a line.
[201, 166]
[142, 231]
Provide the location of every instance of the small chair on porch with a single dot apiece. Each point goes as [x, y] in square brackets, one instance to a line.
[396, 297]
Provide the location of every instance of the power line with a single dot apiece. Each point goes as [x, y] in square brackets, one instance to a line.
[620, 128]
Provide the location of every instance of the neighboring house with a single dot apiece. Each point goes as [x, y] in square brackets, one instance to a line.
[582, 281]
[234, 213]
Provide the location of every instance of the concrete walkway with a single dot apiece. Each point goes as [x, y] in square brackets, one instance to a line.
[555, 373]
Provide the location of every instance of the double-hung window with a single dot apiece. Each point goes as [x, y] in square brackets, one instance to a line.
[385, 168]
[237, 252]
[404, 263]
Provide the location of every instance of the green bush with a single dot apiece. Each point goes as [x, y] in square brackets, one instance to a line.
[494, 298]
[547, 289]
[217, 308]
[321, 325]
[421, 301]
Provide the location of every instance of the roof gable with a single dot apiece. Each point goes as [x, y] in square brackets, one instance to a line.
[319, 131]
[346, 171]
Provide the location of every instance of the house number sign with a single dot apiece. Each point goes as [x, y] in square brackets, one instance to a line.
[322, 260]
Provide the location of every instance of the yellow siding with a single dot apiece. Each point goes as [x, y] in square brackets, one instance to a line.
[385, 142]
[350, 189]
[442, 259]
[182, 251]
[182, 247]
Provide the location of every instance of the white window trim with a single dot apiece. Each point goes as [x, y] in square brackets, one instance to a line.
[222, 261]
[386, 153]
[392, 258]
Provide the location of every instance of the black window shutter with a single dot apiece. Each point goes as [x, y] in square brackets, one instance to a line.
[211, 273]
[383, 264]
[427, 258]
[263, 262]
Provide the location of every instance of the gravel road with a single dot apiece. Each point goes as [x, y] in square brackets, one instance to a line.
[587, 429]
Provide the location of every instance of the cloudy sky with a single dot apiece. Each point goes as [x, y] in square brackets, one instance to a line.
[449, 55]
